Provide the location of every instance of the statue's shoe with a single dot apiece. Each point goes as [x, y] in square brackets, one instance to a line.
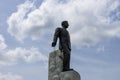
[67, 70]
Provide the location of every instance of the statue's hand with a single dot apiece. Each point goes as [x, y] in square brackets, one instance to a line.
[70, 49]
[53, 44]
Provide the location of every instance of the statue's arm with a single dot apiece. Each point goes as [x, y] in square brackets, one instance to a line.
[56, 35]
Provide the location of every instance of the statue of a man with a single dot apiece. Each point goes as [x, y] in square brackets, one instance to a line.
[64, 44]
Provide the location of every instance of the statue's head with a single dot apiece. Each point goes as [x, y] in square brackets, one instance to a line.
[65, 24]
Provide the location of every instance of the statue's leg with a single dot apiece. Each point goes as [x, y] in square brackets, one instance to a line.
[66, 59]
[66, 62]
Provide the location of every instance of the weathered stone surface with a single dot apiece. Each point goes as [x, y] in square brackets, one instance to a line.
[69, 75]
[56, 66]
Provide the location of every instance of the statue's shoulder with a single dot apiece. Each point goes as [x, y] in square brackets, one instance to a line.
[58, 29]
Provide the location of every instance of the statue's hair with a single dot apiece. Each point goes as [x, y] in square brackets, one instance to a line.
[63, 22]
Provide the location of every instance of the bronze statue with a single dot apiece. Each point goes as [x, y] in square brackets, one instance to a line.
[64, 44]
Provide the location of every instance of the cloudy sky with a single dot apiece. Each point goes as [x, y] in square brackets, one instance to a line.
[26, 33]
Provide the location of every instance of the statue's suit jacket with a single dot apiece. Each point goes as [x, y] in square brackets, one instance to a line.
[64, 38]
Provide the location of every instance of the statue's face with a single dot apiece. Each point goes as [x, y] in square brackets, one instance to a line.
[65, 25]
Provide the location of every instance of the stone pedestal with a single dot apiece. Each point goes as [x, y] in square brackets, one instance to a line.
[56, 66]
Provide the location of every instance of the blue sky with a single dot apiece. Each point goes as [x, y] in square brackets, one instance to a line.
[26, 33]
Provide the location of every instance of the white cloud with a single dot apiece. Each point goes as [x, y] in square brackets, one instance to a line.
[26, 55]
[18, 23]
[3, 45]
[19, 54]
[101, 49]
[5, 63]
[90, 21]
[10, 77]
